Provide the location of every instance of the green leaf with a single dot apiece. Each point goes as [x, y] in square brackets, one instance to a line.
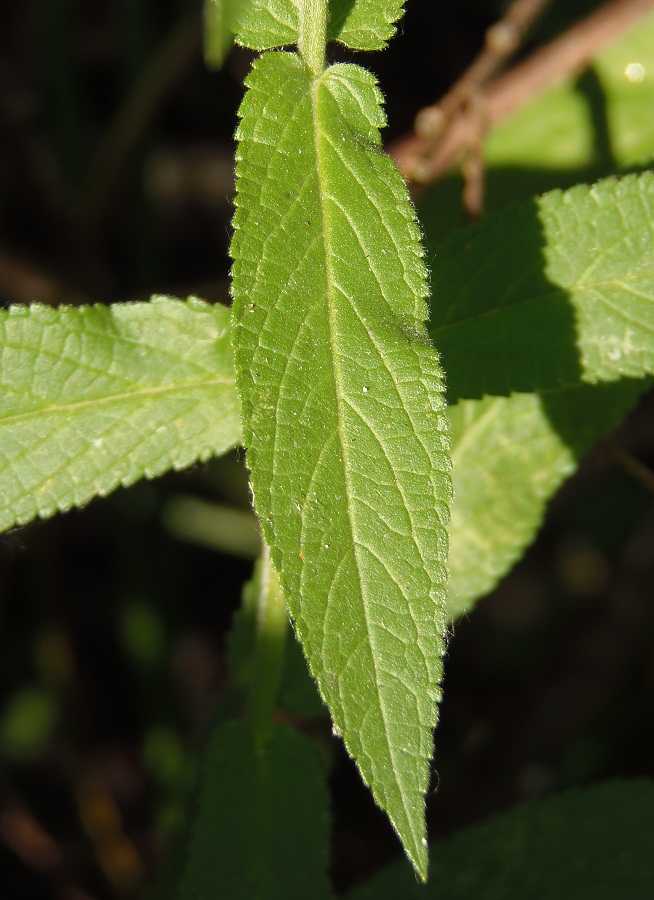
[510, 455]
[592, 844]
[359, 24]
[268, 23]
[343, 415]
[508, 461]
[551, 293]
[529, 331]
[97, 397]
[262, 828]
[364, 24]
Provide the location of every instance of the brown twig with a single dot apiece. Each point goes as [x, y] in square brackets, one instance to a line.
[629, 464]
[502, 40]
[569, 54]
[467, 98]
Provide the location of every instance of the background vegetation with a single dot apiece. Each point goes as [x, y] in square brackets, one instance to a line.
[116, 177]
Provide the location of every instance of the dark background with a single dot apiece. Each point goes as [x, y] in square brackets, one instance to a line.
[112, 632]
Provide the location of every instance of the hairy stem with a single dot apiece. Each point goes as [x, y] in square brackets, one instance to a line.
[313, 34]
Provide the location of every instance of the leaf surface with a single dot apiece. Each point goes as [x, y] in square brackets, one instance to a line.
[261, 830]
[574, 132]
[96, 397]
[555, 338]
[510, 456]
[591, 844]
[359, 24]
[572, 302]
[343, 414]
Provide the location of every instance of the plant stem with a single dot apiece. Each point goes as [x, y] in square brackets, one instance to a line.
[313, 34]
[270, 639]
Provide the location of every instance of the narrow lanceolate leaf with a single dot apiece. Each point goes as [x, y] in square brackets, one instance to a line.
[96, 397]
[359, 24]
[343, 413]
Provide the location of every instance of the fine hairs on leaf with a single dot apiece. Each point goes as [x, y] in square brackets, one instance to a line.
[342, 407]
[368, 25]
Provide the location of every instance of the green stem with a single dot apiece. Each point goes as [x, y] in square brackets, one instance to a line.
[313, 34]
[270, 640]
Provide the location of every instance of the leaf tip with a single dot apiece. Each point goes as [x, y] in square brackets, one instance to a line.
[420, 860]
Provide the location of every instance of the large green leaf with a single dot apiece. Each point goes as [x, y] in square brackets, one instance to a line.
[96, 397]
[526, 332]
[261, 831]
[343, 414]
[542, 260]
[549, 294]
[593, 844]
[360, 24]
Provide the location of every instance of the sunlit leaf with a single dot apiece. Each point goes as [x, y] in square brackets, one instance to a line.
[360, 24]
[96, 397]
[343, 415]
[552, 337]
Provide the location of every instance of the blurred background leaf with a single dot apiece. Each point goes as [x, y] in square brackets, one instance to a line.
[583, 844]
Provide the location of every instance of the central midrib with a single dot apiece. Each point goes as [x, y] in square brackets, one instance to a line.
[117, 397]
[339, 393]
